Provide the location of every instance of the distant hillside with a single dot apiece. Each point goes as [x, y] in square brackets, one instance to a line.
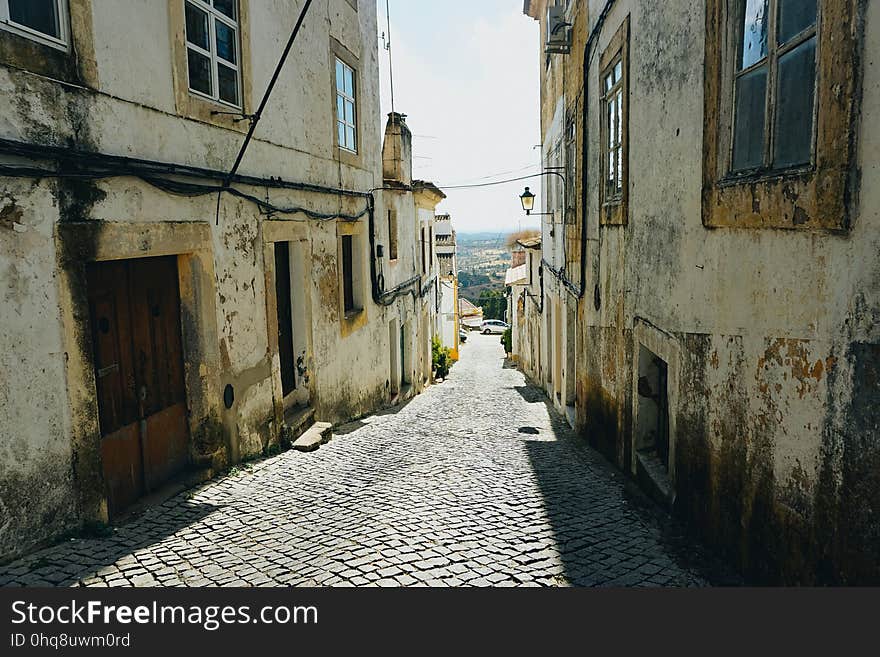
[496, 237]
[483, 260]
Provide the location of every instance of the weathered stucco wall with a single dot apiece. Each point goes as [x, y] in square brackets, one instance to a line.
[776, 332]
[51, 229]
[36, 445]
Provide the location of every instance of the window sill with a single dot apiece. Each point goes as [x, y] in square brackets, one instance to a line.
[353, 321]
[196, 106]
[221, 104]
[34, 35]
[614, 213]
[48, 60]
[347, 157]
[802, 199]
[765, 175]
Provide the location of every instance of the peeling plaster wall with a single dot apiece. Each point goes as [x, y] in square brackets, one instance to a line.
[35, 445]
[777, 433]
[49, 426]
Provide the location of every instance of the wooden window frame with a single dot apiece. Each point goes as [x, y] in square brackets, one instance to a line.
[814, 197]
[614, 210]
[771, 60]
[61, 42]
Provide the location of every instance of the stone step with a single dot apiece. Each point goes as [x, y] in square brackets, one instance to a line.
[297, 420]
[654, 479]
[316, 435]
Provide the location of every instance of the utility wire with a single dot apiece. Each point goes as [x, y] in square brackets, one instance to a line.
[176, 187]
[496, 182]
[500, 173]
[255, 119]
[388, 48]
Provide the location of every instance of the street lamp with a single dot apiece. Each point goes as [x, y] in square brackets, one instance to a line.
[528, 201]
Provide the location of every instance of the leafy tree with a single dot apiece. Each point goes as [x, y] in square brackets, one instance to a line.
[494, 304]
[507, 341]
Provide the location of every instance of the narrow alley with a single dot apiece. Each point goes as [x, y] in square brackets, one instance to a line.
[474, 482]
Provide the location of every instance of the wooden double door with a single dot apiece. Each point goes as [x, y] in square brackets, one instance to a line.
[138, 356]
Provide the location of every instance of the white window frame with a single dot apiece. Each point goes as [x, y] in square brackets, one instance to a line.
[61, 43]
[340, 93]
[234, 24]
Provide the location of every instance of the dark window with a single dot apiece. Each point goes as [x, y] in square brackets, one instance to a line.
[748, 135]
[284, 307]
[774, 85]
[212, 49]
[392, 235]
[424, 246]
[347, 274]
[570, 168]
[38, 15]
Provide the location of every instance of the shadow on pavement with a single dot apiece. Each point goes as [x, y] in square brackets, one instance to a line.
[393, 410]
[607, 532]
[79, 558]
[349, 427]
[532, 395]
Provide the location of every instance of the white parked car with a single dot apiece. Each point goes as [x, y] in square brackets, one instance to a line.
[493, 326]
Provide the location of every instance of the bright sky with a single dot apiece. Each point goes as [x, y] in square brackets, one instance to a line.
[466, 76]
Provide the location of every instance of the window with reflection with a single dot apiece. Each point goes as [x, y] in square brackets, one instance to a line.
[774, 84]
[212, 49]
[346, 107]
[612, 146]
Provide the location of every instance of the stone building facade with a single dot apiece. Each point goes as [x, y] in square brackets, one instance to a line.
[156, 324]
[446, 250]
[714, 285]
[525, 306]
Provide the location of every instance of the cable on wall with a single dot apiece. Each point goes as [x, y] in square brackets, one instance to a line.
[255, 118]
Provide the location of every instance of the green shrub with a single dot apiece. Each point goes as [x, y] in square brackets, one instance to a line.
[507, 341]
[441, 358]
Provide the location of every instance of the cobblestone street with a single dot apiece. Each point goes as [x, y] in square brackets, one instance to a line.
[474, 482]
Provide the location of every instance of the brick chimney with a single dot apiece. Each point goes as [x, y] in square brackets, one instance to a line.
[397, 150]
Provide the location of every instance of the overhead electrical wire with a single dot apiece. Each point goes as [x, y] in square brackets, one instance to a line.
[495, 175]
[493, 183]
[255, 118]
[84, 165]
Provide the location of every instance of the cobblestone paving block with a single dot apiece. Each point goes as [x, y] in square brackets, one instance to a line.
[443, 491]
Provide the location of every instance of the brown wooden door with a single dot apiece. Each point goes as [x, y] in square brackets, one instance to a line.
[135, 316]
